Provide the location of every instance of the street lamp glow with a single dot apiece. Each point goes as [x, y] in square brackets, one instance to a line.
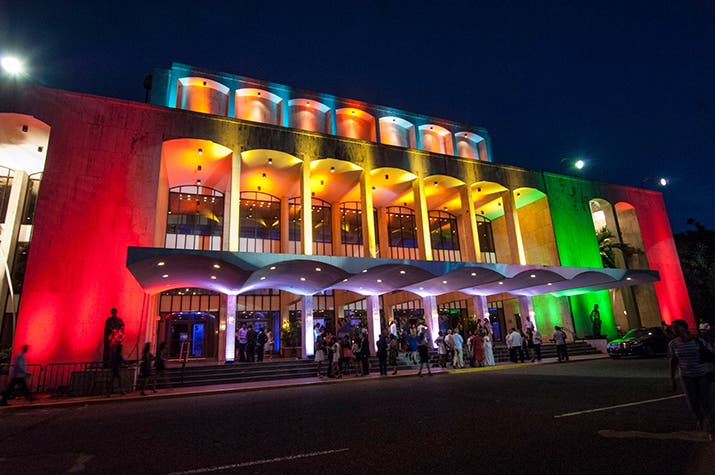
[663, 182]
[11, 65]
[579, 164]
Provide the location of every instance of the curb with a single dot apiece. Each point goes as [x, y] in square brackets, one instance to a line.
[97, 400]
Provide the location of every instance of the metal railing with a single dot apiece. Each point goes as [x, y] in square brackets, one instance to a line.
[34, 379]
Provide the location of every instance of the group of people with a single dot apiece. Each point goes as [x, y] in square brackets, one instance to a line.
[341, 355]
[251, 345]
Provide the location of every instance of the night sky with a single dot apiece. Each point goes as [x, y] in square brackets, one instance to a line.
[628, 86]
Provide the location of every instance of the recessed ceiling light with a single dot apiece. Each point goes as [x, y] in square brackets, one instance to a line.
[263, 277]
[302, 279]
[379, 281]
[270, 161]
[332, 169]
[501, 283]
[533, 276]
[165, 276]
[318, 269]
[213, 277]
[201, 151]
[345, 280]
[160, 263]
[364, 270]
[444, 281]
[474, 274]
[549, 283]
[402, 272]
[628, 278]
[216, 266]
[273, 268]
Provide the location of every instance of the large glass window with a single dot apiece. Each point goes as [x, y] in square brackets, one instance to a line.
[259, 227]
[444, 236]
[486, 239]
[351, 228]
[322, 230]
[402, 230]
[195, 218]
[33, 187]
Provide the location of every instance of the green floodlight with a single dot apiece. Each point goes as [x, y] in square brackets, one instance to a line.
[11, 65]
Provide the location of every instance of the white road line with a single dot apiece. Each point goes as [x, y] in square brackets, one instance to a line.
[259, 462]
[635, 434]
[637, 403]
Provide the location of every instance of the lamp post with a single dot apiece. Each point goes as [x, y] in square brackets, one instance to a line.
[11, 65]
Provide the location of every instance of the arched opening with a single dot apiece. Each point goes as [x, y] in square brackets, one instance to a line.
[194, 218]
[308, 114]
[258, 105]
[436, 139]
[402, 232]
[446, 217]
[189, 323]
[486, 239]
[351, 232]
[397, 131]
[536, 227]
[489, 214]
[259, 222]
[355, 124]
[471, 145]
[444, 236]
[202, 95]
[322, 226]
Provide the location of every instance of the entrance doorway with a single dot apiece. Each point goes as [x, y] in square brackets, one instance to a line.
[191, 334]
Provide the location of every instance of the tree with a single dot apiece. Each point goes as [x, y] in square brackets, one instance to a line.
[607, 242]
[697, 259]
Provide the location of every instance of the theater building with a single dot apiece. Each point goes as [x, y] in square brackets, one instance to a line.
[227, 200]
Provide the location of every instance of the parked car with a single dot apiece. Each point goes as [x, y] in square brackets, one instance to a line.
[649, 342]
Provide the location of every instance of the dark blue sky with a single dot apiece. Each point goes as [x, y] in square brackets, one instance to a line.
[627, 85]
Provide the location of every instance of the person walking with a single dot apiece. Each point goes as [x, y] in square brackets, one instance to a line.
[382, 354]
[145, 374]
[392, 353]
[689, 355]
[423, 352]
[559, 338]
[18, 377]
[488, 351]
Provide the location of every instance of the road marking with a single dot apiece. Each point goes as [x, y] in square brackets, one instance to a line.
[635, 434]
[637, 403]
[79, 463]
[259, 462]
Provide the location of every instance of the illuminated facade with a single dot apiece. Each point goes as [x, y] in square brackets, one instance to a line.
[191, 216]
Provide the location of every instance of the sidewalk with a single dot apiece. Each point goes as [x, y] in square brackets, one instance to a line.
[48, 401]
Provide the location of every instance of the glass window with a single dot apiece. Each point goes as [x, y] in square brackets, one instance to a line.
[486, 239]
[259, 226]
[322, 226]
[6, 179]
[402, 232]
[444, 236]
[195, 218]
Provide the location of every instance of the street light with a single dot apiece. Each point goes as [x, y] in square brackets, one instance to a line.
[663, 182]
[11, 65]
[579, 164]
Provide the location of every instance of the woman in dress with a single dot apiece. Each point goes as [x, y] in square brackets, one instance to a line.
[476, 345]
[487, 350]
[268, 347]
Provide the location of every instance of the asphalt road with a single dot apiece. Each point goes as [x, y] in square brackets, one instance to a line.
[508, 421]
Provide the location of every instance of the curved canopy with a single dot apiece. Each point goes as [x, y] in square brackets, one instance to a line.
[159, 269]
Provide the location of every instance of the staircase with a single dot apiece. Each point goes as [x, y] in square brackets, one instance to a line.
[232, 373]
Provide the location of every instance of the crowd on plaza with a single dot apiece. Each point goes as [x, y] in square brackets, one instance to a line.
[252, 345]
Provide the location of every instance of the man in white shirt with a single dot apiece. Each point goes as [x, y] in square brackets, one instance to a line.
[536, 340]
[560, 339]
[514, 342]
[457, 343]
[528, 325]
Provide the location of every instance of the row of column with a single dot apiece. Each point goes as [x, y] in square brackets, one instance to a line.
[467, 225]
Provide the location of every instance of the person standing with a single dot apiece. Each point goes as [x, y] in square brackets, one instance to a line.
[329, 340]
[113, 331]
[595, 318]
[441, 350]
[335, 360]
[514, 342]
[268, 347]
[449, 344]
[476, 347]
[458, 344]
[528, 325]
[685, 355]
[320, 351]
[392, 353]
[488, 351]
[382, 354]
[251, 337]
[536, 341]
[18, 377]
[559, 338]
[261, 340]
[365, 353]
[242, 340]
[116, 361]
[160, 364]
